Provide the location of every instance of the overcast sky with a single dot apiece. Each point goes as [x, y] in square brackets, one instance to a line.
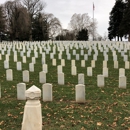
[64, 9]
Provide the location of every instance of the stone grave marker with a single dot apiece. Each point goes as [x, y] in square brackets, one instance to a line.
[54, 62]
[45, 68]
[104, 63]
[59, 56]
[127, 64]
[81, 78]
[100, 80]
[72, 62]
[32, 117]
[31, 67]
[115, 64]
[93, 63]
[7, 57]
[15, 58]
[43, 60]
[33, 60]
[9, 75]
[21, 88]
[115, 58]
[42, 77]
[85, 57]
[61, 78]
[24, 59]
[121, 72]
[80, 93]
[82, 63]
[25, 76]
[28, 53]
[47, 92]
[89, 71]
[105, 71]
[63, 62]
[59, 69]
[122, 81]
[77, 56]
[68, 56]
[6, 64]
[19, 65]
[73, 70]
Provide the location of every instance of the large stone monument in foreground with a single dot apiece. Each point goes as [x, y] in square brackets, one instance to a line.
[32, 118]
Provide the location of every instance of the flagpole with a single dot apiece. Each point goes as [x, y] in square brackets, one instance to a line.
[93, 21]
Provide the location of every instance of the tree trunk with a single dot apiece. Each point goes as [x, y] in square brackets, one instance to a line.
[129, 37]
[118, 38]
[30, 34]
[30, 28]
[121, 38]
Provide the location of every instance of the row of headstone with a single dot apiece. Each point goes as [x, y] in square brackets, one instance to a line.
[82, 45]
[42, 75]
[73, 66]
[79, 89]
[74, 52]
[101, 81]
[85, 45]
[47, 92]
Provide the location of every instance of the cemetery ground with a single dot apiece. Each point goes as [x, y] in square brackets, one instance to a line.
[106, 108]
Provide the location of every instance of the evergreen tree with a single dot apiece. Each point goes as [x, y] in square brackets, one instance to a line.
[37, 33]
[45, 30]
[82, 35]
[39, 28]
[116, 16]
[125, 24]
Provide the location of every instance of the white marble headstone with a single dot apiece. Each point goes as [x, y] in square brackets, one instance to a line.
[47, 92]
[80, 93]
[122, 81]
[81, 78]
[61, 78]
[21, 88]
[73, 70]
[42, 77]
[19, 65]
[6, 64]
[25, 76]
[100, 80]
[9, 75]
[89, 71]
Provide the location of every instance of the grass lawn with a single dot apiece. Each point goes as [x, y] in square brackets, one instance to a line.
[105, 108]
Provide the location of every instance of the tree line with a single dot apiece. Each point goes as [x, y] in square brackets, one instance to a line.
[119, 20]
[26, 20]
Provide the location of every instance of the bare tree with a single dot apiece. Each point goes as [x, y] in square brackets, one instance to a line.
[17, 19]
[98, 37]
[82, 21]
[79, 22]
[34, 7]
[2, 22]
[53, 25]
[2, 19]
[105, 37]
